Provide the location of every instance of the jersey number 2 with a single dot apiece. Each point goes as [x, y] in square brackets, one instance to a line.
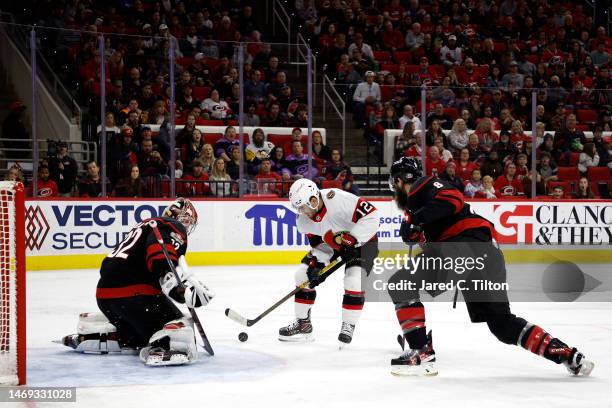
[127, 243]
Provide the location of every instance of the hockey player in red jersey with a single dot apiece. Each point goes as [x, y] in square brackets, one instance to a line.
[436, 211]
[338, 224]
[136, 291]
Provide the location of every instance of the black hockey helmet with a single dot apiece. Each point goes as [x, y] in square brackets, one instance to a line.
[407, 169]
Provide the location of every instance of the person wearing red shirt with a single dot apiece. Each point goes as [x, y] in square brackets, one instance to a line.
[44, 186]
[296, 135]
[194, 184]
[391, 39]
[268, 181]
[509, 184]
[394, 11]
[465, 166]
[434, 164]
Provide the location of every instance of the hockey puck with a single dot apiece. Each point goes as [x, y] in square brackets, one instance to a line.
[243, 337]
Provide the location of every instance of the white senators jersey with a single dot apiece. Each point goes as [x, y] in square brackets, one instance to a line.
[342, 212]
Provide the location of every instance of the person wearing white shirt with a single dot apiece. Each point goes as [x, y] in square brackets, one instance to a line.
[451, 54]
[358, 44]
[409, 117]
[366, 92]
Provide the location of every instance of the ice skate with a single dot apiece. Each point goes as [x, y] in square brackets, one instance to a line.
[346, 334]
[300, 331]
[416, 362]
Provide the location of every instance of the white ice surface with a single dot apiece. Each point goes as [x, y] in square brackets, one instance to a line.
[475, 369]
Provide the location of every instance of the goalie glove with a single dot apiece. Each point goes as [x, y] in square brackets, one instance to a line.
[194, 294]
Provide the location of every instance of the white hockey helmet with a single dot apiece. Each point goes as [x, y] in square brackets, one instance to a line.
[300, 193]
[184, 212]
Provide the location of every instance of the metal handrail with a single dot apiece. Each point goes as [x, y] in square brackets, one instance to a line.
[341, 111]
[300, 41]
[286, 23]
[45, 72]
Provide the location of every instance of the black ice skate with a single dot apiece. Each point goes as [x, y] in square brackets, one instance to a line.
[346, 334]
[416, 362]
[575, 362]
[298, 331]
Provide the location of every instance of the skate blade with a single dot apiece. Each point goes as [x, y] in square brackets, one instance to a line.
[586, 368]
[423, 370]
[342, 345]
[297, 338]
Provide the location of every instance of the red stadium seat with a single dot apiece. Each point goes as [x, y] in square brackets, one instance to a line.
[597, 174]
[533, 58]
[213, 122]
[452, 112]
[402, 56]
[383, 57]
[331, 184]
[588, 116]
[568, 173]
[393, 68]
[499, 46]
[566, 185]
[583, 127]
[439, 69]
[185, 62]
[212, 137]
[595, 189]
[574, 158]
[201, 92]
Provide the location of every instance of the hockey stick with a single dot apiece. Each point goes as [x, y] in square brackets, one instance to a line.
[235, 316]
[194, 316]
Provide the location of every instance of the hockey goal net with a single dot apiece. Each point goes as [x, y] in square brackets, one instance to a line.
[12, 283]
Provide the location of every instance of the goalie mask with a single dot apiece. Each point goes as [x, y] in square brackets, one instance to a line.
[184, 212]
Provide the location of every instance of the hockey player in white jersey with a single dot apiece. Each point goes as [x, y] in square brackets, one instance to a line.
[337, 224]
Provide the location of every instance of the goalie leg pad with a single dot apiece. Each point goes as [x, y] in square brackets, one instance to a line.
[174, 344]
[95, 335]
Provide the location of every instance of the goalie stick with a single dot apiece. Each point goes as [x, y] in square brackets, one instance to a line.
[194, 316]
[235, 316]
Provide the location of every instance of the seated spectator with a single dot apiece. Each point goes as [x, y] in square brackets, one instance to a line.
[521, 166]
[221, 186]
[513, 77]
[131, 186]
[296, 135]
[547, 168]
[207, 158]
[278, 162]
[474, 185]
[509, 184]
[488, 189]
[475, 149]
[466, 115]
[414, 38]
[158, 114]
[434, 165]
[465, 166]
[588, 158]
[583, 191]
[358, 44]
[268, 181]
[250, 118]
[390, 39]
[451, 54]
[486, 134]
[321, 152]
[449, 175]
[45, 187]
[504, 147]
[599, 55]
[434, 131]
[516, 132]
[275, 117]
[558, 193]
[192, 149]
[297, 163]
[338, 169]
[527, 181]
[254, 89]
[123, 152]
[15, 173]
[110, 126]
[492, 166]
[217, 108]
[300, 118]
[257, 150]
[233, 166]
[63, 169]
[443, 93]
[409, 116]
[366, 93]
[388, 121]
[570, 137]
[194, 183]
[438, 114]
[224, 145]
[458, 136]
[91, 184]
[409, 144]
[445, 154]
[150, 161]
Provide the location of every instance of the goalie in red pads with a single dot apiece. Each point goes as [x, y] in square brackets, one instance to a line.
[338, 224]
[136, 291]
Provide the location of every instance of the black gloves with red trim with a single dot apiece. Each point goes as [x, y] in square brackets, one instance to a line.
[410, 233]
[347, 247]
[314, 270]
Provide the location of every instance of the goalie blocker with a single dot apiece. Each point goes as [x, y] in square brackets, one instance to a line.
[136, 292]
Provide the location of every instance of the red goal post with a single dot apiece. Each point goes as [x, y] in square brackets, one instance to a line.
[12, 284]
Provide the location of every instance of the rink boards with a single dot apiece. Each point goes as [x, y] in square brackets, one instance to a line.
[78, 233]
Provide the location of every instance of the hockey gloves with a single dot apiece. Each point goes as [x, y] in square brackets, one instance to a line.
[348, 250]
[195, 294]
[410, 233]
[313, 271]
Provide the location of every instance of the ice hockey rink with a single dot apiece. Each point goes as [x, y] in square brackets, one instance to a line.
[474, 368]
